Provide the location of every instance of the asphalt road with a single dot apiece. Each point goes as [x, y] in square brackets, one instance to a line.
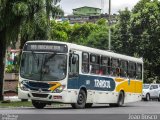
[138, 110]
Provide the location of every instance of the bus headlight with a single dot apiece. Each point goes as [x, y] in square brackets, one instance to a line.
[23, 86]
[59, 89]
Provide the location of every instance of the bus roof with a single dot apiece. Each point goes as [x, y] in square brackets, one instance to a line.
[92, 50]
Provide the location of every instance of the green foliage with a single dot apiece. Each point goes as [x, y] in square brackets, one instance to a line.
[14, 104]
[80, 32]
[102, 22]
[20, 9]
[98, 39]
[36, 26]
[60, 31]
[121, 34]
[12, 69]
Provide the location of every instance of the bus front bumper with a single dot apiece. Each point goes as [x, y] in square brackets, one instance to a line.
[64, 96]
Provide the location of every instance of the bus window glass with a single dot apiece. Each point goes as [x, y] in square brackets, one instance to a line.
[139, 71]
[105, 65]
[85, 62]
[115, 67]
[132, 70]
[74, 64]
[123, 68]
[94, 63]
[93, 58]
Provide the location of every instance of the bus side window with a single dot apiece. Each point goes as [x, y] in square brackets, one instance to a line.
[105, 65]
[115, 71]
[85, 62]
[139, 71]
[95, 63]
[74, 65]
[123, 68]
[132, 70]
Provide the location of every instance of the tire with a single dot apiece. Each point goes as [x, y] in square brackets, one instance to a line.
[38, 104]
[147, 97]
[88, 105]
[159, 98]
[81, 102]
[120, 101]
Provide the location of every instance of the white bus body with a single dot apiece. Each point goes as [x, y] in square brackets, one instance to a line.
[53, 71]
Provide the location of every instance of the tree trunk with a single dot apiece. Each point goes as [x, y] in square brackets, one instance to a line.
[2, 59]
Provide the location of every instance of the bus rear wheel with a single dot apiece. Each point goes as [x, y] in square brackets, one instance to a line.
[81, 102]
[38, 104]
[120, 101]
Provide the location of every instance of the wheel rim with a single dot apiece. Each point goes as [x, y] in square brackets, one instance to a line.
[81, 98]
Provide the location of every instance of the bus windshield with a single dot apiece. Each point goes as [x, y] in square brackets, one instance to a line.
[43, 66]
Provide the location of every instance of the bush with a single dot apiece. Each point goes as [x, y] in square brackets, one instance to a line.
[12, 69]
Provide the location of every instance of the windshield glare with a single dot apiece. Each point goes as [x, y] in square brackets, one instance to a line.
[43, 66]
[146, 86]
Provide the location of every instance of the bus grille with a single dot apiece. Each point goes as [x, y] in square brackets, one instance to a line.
[40, 95]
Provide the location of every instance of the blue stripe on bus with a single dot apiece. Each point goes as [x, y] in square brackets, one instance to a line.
[90, 84]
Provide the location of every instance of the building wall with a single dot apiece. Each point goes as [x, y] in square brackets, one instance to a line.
[89, 18]
[87, 11]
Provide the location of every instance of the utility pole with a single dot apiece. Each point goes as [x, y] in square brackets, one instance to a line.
[109, 36]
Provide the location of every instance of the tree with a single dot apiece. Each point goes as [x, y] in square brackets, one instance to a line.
[80, 32]
[11, 15]
[60, 31]
[37, 26]
[98, 37]
[145, 31]
[121, 41]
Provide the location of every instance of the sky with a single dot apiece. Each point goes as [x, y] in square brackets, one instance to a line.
[116, 5]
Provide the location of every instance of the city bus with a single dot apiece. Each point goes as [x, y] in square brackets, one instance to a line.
[61, 72]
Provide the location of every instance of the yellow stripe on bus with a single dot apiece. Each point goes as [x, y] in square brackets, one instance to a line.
[133, 86]
[55, 85]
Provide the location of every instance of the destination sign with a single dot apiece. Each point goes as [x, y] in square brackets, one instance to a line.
[46, 47]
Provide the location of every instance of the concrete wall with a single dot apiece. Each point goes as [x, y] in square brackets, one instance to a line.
[10, 84]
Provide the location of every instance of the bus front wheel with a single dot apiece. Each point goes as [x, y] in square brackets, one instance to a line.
[38, 104]
[81, 101]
